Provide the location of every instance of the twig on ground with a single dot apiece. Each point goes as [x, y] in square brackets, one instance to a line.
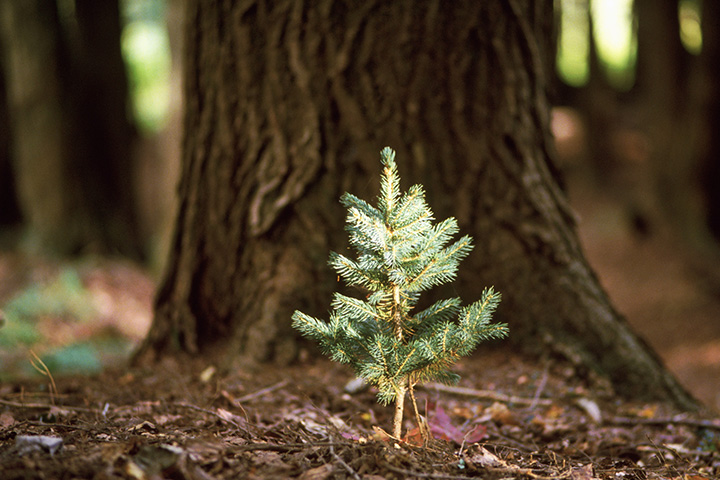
[286, 447]
[10, 403]
[62, 425]
[487, 394]
[347, 467]
[449, 476]
[709, 424]
[259, 393]
[411, 473]
[540, 387]
[210, 412]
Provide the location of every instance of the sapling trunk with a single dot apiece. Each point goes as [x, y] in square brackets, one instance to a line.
[399, 409]
[401, 253]
[400, 395]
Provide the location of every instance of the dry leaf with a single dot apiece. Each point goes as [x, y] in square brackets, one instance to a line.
[648, 411]
[230, 417]
[482, 457]
[555, 411]
[144, 426]
[32, 443]
[318, 473]
[381, 435]
[6, 419]
[591, 408]
[274, 459]
[463, 412]
[207, 374]
[500, 413]
[585, 472]
[414, 437]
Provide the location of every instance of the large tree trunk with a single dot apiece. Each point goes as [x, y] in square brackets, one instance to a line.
[288, 106]
[72, 139]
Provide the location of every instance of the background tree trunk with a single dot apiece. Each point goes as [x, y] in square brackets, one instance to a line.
[669, 83]
[288, 106]
[72, 140]
[9, 209]
[709, 164]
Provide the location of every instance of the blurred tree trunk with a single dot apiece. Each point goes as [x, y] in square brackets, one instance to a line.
[599, 103]
[288, 105]
[670, 81]
[72, 139]
[9, 209]
[710, 154]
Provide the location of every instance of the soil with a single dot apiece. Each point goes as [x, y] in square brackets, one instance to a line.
[184, 421]
[513, 418]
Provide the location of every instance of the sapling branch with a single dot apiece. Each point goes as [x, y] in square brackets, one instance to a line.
[400, 253]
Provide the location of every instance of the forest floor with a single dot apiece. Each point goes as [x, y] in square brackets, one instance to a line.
[513, 418]
[528, 420]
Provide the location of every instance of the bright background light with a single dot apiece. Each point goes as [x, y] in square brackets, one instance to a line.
[614, 33]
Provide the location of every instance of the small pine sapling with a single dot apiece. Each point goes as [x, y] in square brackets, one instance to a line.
[400, 253]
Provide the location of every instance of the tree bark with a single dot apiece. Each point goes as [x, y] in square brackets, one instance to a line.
[72, 141]
[288, 106]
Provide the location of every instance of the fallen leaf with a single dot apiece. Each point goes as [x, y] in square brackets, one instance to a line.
[414, 437]
[153, 459]
[356, 385]
[381, 435]
[32, 443]
[207, 374]
[274, 459]
[165, 419]
[318, 473]
[230, 417]
[6, 419]
[481, 457]
[144, 426]
[442, 428]
[354, 437]
[583, 473]
[500, 413]
[463, 412]
[591, 408]
[477, 434]
[648, 411]
[555, 411]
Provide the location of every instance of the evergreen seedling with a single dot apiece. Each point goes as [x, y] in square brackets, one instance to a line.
[400, 253]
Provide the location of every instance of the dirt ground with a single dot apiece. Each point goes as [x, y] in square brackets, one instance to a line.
[512, 418]
[670, 296]
[183, 421]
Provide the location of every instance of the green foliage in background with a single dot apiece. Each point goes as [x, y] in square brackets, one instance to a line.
[146, 51]
[30, 322]
[64, 296]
